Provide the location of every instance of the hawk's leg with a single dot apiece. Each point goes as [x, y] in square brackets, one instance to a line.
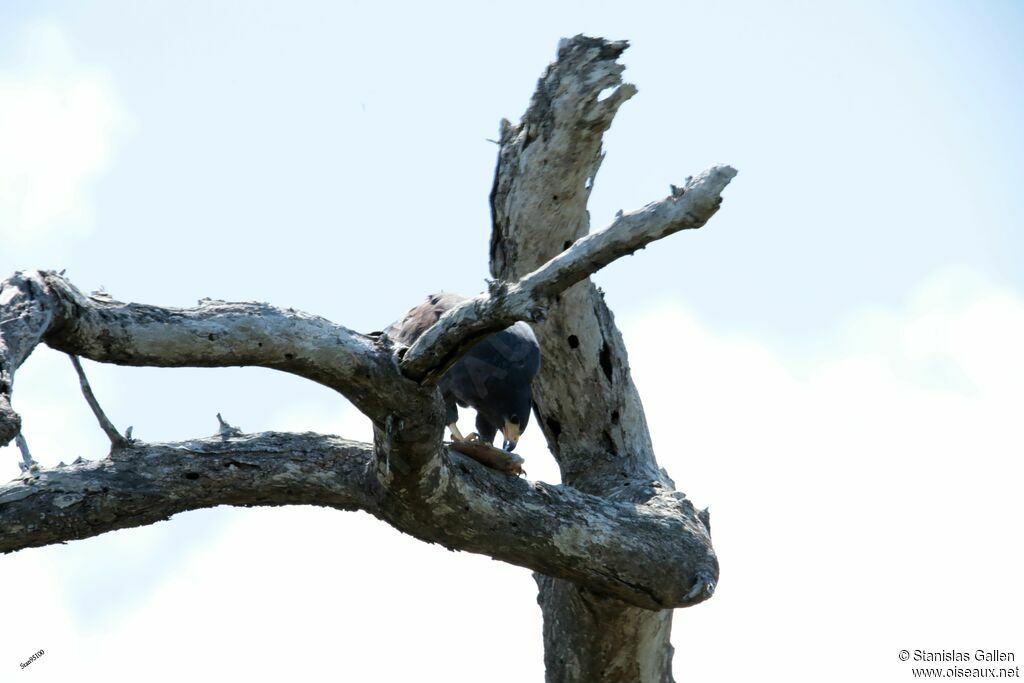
[485, 429]
[451, 417]
[456, 434]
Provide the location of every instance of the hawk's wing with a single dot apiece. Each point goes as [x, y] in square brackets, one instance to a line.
[419, 319]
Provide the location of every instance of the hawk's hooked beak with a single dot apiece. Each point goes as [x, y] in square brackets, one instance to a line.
[512, 433]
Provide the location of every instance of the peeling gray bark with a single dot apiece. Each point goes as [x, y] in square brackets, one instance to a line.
[615, 547]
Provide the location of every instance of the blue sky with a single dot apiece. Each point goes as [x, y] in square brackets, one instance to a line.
[856, 304]
[897, 125]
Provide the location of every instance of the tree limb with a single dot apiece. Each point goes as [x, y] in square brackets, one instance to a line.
[553, 529]
[27, 463]
[528, 299]
[43, 306]
[116, 440]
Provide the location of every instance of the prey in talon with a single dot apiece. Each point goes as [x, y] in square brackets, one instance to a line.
[493, 377]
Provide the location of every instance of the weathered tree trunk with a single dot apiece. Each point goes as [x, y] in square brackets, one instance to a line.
[588, 637]
[615, 548]
[586, 402]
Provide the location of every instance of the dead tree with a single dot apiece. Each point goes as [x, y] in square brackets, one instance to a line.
[614, 549]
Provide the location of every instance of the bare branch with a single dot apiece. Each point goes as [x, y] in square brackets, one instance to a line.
[226, 431]
[27, 462]
[44, 306]
[553, 529]
[528, 299]
[116, 440]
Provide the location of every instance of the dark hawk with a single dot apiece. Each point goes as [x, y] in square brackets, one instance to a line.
[493, 377]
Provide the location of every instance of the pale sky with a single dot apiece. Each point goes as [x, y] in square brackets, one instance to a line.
[831, 364]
